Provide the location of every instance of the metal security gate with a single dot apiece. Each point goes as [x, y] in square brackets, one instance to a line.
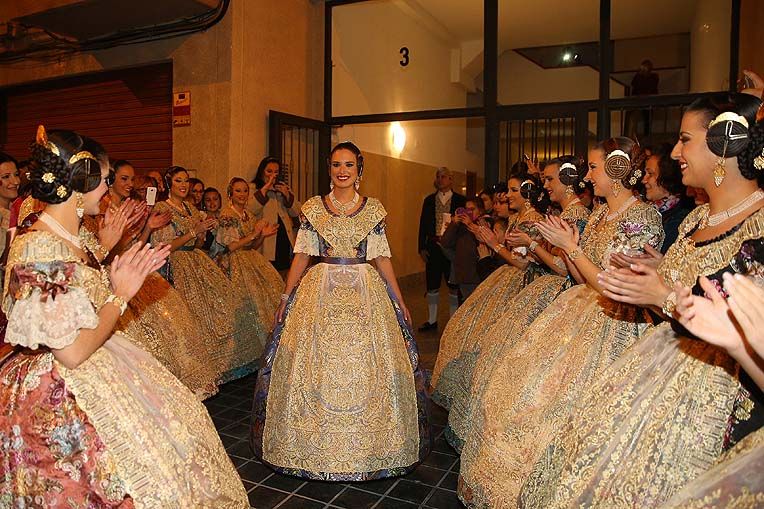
[302, 144]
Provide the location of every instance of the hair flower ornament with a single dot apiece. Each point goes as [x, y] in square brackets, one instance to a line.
[61, 191]
[48, 178]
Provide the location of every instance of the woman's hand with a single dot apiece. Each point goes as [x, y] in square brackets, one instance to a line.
[559, 233]
[129, 270]
[639, 284]
[283, 188]
[205, 225]
[746, 301]
[406, 314]
[485, 235]
[708, 317]
[114, 224]
[651, 257]
[758, 84]
[270, 229]
[518, 238]
[157, 219]
[268, 185]
[280, 313]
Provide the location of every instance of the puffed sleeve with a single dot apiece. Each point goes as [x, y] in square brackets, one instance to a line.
[376, 243]
[42, 307]
[227, 231]
[307, 238]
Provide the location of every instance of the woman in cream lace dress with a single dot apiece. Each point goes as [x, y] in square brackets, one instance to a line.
[228, 318]
[340, 395]
[87, 418]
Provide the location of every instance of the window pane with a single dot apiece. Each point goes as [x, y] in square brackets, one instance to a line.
[548, 51]
[391, 56]
[671, 47]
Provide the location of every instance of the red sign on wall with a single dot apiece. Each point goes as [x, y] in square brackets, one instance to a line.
[181, 109]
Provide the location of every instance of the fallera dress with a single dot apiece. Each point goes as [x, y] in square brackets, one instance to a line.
[661, 415]
[117, 431]
[340, 395]
[460, 341]
[534, 383]
[517, 314]
[246, 267]
[229, 321]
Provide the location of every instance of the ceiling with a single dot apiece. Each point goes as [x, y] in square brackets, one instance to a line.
[524, 24]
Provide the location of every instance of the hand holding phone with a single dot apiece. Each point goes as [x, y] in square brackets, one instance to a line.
[151, 195]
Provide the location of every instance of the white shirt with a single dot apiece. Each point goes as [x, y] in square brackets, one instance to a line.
[444, 197]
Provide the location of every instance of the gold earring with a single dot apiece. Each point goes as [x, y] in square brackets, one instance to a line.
[569, 191]
[616, 187]
[79, 204]
[719, 172]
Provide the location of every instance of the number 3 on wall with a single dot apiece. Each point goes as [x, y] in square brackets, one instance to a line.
[405, 54]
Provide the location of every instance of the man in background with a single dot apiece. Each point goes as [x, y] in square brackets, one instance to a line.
[437, 210]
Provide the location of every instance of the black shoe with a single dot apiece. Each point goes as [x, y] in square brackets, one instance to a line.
[428, 326]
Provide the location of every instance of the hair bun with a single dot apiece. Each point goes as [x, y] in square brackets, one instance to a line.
[727, 135]
[49, 175]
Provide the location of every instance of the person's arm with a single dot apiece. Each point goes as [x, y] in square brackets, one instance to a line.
[127, 274]
[423, 231]
[560, 234]
[385, 268]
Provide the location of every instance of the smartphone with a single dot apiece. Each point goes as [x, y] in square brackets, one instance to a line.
[151, 195]
[525, 156]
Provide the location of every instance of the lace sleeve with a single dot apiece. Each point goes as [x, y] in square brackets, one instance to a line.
[227, 231]
[377, 245]
[44, 309]
[307, 239]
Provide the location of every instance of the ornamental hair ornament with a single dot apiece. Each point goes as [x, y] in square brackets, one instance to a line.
[617, 164]
[730, 118]
[758, 161]
[42, 140]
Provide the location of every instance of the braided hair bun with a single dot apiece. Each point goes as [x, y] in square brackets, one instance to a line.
[63, 162]
[753, 152]
[572, 171]
[532, 190]
[624, 160]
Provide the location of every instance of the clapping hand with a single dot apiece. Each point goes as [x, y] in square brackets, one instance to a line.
[129, 270]
[114, 224]
[157, 219]
[518, 238]
[559, 233]
[651, 257]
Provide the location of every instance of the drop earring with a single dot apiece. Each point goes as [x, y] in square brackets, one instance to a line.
[569, 191]
[719, 172]
[616, 187]
[357, 183]
[331, 185]
[79, 204]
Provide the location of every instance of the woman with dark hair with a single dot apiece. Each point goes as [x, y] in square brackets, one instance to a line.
[460, 341]
[272, 200]
[212, 202]
[196, 192]
[228, 318]
[239, 234]
[86, 417]
[661, 414]
[562, 179]
[341, 396]
[542, 368]
[663, 187]
[9, 191]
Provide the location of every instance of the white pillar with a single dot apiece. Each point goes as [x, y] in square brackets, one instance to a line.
[710, 46]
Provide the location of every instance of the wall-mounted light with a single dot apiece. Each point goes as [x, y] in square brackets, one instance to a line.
[398, 137]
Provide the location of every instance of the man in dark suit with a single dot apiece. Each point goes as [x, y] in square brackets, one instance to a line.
[432, 224]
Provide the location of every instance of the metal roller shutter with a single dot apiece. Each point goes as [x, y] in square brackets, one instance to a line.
[129, 111]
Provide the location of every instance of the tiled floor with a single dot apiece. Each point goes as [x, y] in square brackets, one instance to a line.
[432, 484]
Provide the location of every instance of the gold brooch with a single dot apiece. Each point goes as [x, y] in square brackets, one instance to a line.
[61, 191]
[48, 178]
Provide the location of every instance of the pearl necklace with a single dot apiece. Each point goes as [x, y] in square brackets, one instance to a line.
[59, 230]
[243, 216]
[343, 208]
[720, 217]
[620, 211]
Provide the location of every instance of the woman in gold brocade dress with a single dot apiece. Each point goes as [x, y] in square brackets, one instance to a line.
[663, 413]
[340, 395]
[563, 177]
[228, 318]
[157, 318]
[536, 379]
[88, 419]
[240, 233]
[460, 341]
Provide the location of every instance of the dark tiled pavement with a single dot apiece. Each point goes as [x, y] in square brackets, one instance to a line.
[431, 485]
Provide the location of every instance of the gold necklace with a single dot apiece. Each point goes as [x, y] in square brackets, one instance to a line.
[718, 218]
[343, 208]
[620, 211]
